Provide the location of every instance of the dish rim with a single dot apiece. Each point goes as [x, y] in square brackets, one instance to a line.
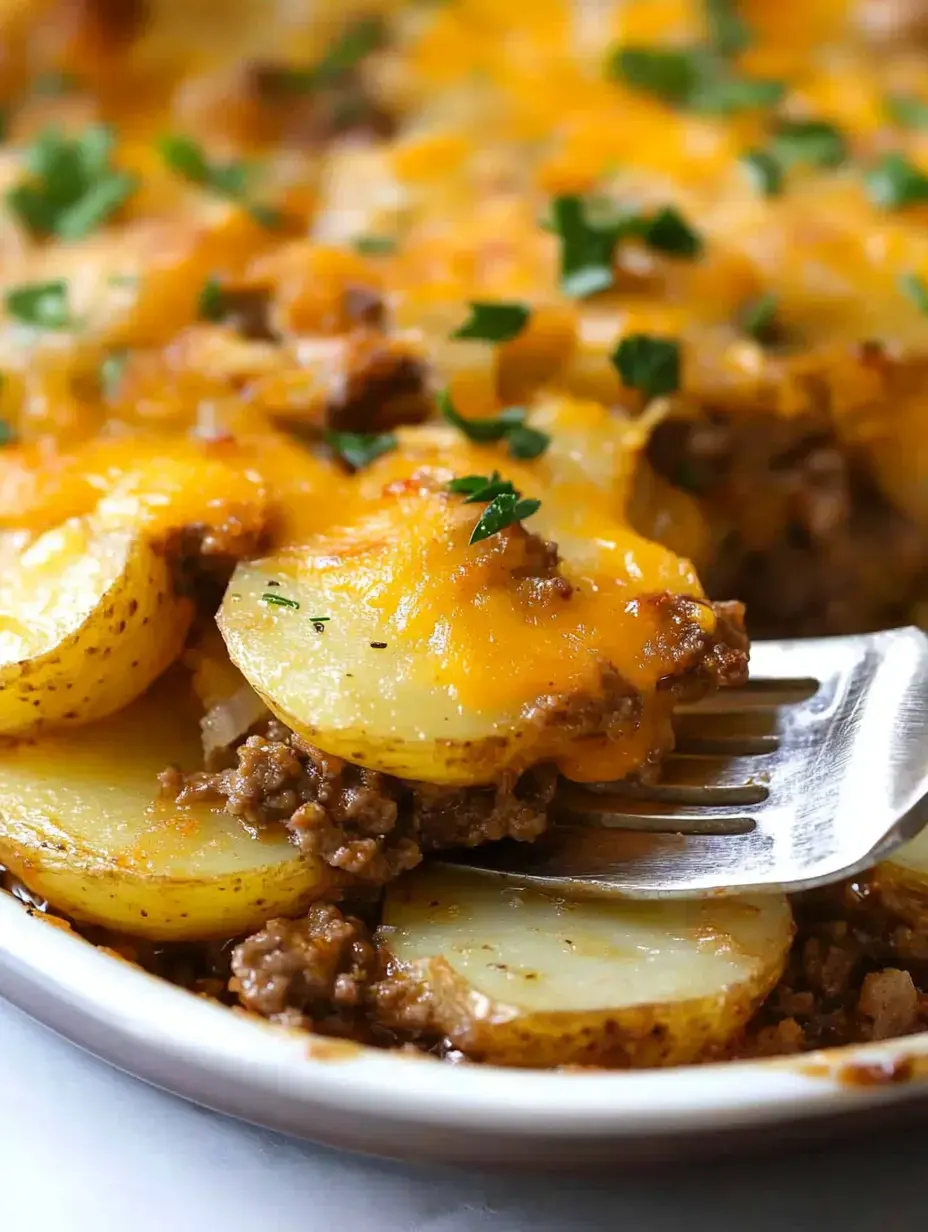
[233, 1062]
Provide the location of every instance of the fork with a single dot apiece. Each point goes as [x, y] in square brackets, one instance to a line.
[813, 771]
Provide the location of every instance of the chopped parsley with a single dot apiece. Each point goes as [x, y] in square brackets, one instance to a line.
[524, 442]
[72, 186]
[728, 33]
[111, 372]
[43, 305]
[814, 142]
[210, 304]
[907, 110]
[586, 248]
[505, 505]
[503, 510]
[758, 318]
[232, 180]
[280, 601]
[479, 489]
[490, 322]
[764, 172]
[343, 54]
[7, 433]
[648, 364]
[915, 288]
[895, 182]
[692, 78]
[588, 242]
[374, 245]
[360, 449]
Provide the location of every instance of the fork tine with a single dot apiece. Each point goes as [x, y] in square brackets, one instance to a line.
[831, 781]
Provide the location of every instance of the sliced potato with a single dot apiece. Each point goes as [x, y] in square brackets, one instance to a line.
[436, 659]
[82, 825]
[519, 978]
[88, 618]
[902, 881]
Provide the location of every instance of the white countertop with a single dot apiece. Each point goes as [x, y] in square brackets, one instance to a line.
[87, 1149]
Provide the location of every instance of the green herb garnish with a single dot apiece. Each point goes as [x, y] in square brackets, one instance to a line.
[814, 142]
[728, 32]
[279, 600]
[503, 510]
[111, 372]
[667, 231]
[765, 173]
[210, 305]
[360, 449]
[7, 433]
[648, 364]
[494, 322]
[72, 187]
[524, 442]
[758, 318]
[907, 110]
[480, 489]
[916, 289]
[694, 79]
[344, 54]
[588, 243]
[894, 183]
[231, 180]
[43, 305]
[374, 245]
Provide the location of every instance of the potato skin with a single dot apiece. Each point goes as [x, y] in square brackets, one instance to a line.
[135, 628]
[160, 908]
[83, 826]
[635, 1037]
[902, 891]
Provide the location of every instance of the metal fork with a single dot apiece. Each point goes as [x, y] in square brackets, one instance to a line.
[812, 772]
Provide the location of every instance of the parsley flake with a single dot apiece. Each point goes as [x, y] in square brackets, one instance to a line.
[692, 78]
[907, 110]
[279, 600]
[232, 180]
[648, 364]
[7, 433]
[374, 245]
[524, 442]
[728, 33]
[758, 318]
[479, 489]
[111, 373]
[895, 182]
[343, 54]
[814, 142]
[360, 449]
[503, 510]
[505, 505]
[210, 304]
[588, 242]
[43, 305]
[915, 288]
[490, 322]
[72, 187]
[764, 172]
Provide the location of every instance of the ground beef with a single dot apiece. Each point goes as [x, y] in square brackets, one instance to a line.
[312, 972]
[531, 558]
[109, 24]
[368, 824]
[799, 530]
[852, 976]
[382, 386]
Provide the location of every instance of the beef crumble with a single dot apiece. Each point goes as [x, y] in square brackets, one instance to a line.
[368, 824]
[311, 972]
[382, 383]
